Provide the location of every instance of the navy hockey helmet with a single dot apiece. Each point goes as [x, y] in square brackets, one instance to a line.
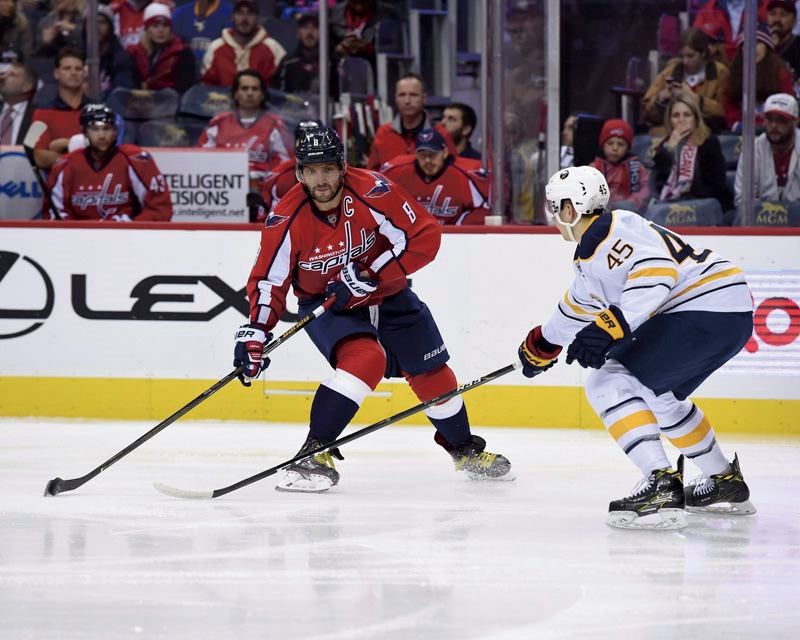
[97, 112]
[317, 145]
[303, 126]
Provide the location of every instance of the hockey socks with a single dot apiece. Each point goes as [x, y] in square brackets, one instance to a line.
[689, 430]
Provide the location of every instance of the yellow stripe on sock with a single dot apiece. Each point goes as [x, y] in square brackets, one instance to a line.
[638, 419]
[694, 436]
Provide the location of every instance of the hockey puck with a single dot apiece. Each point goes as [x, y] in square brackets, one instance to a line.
[53, 487]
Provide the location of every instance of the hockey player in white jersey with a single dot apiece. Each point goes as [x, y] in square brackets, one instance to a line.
[653, 317]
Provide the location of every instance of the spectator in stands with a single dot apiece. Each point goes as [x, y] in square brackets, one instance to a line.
[246, 46]
[129, 22]
[452, 190]
[299, 72]
[726, 16]
[250, 126]
[354, 25]
[397, 137]
[105, 181]
[199, 23]
[781, 18]
[626, 175]
[15, 31]
[459, 120]
[116, 64]
[716, 45]
[772, 76]
[689, 164]
[776, 163]
[62, 27]
[693, 71]
[17, 86]
[61, 116]
[161, 59]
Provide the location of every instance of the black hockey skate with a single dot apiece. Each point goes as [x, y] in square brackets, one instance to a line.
[725, 493]
[474, 461]
[656, 503]
[314, 474]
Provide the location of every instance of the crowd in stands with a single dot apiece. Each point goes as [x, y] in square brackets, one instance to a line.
[221, 57]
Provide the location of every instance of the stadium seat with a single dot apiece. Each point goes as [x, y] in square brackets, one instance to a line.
[731, 148]
[686, 213]
[773, 213]
[205, 101]
[143, 104]
[644, 147]
[163, 133]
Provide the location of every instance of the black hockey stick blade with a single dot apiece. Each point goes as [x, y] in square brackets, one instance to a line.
[216, 493]
[58, 485]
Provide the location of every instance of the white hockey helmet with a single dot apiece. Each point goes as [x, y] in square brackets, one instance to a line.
[585, 187]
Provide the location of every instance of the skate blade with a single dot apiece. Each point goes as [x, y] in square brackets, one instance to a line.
[745, 508]
[297, 483]
[662, 520]
[480, 477]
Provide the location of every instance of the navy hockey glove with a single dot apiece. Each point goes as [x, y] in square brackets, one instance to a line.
[350, 287]
[592, 343]
[536, 353]
[248, 351]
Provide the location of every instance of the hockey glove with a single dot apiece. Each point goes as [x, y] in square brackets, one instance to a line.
[536, 353]
[248, 351]
[350, 287]
[592, 343]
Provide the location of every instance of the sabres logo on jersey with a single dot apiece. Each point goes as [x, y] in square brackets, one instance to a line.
[273, 220]
[380, 189]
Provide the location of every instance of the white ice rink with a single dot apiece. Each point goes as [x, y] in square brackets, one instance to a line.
[403, 548]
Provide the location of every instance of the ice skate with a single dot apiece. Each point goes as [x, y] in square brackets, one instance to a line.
[656, 503]
[725, 493]
[312, 475]
[475, 462]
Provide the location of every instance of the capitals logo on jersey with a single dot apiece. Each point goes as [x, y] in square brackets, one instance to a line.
[273, 219]
[324, 259]
[440, 208]
[105, 201]
[380, 189]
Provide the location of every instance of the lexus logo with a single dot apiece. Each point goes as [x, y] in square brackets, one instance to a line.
[34, 279]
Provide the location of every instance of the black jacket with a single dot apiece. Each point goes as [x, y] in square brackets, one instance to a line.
[709, 173]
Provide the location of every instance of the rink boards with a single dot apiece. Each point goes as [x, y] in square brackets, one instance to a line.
[131, 323]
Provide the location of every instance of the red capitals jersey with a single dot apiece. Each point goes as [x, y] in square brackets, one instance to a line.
[128, 22]
[129, 184]
[375, 224]
[266, 141]
[458, 195]
[277, 183]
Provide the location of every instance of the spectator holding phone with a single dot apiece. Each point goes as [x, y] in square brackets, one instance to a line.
[693, 71]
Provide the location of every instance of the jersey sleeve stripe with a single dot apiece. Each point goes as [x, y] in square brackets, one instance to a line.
[655, 272]
[276, 275]
[643, 260]
[565, 314]
[712, 265]
[714, 276]
[647, 286]
[395, 235]
[576, 308]
[667, 309]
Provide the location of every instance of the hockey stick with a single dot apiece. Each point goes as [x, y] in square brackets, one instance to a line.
[216, 493]
[57, 485]
[35, 132]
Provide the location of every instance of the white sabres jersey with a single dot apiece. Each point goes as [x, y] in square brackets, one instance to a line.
[643, 269]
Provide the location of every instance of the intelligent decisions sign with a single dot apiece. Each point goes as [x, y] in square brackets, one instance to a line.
[206, 185]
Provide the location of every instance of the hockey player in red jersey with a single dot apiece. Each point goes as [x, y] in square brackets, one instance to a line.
[352, 234]
[250, 126]
[451, 192]
[105, 181]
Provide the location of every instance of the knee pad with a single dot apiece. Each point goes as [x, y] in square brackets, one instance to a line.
[613, 384]
[363, 357]
[431, 384]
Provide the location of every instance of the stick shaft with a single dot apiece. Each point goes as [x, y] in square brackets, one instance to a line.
[68, 485]
[371, 428]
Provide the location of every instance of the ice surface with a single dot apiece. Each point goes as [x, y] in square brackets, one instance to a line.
[402, 548]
